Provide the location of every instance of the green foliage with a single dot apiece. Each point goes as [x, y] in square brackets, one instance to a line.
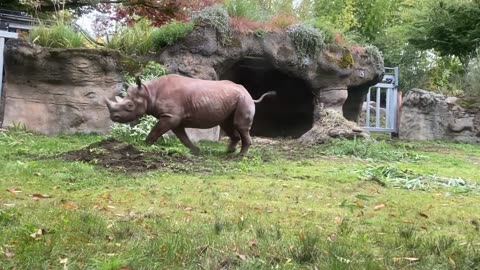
[307, 40]
[216, 17]
[371, 149]
[472, 78]
[170, 33]
[136, 39]
[58, 35]
[449, 27]
[250, 9]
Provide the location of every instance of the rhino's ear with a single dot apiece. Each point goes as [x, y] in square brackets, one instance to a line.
[138, 81]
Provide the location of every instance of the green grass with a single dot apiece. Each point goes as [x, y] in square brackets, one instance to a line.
[170, 33]
[285, 206]
[58, 35]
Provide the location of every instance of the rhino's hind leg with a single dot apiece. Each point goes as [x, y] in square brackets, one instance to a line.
[183, 137]
[229, 129]
[246, 142]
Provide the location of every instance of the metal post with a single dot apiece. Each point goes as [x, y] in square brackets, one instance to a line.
[367, 117]
[2, 46]
[377, 109]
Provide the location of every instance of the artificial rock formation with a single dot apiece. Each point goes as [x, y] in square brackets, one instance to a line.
[59, 90]
[430, 116]
[54, 91]
[336, 78]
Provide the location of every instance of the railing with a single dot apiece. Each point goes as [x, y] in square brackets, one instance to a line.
[386, 99]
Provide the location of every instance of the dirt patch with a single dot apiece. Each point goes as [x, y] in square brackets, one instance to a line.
[117, 155]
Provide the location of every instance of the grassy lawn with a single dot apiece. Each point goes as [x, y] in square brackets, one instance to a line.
[346, 205]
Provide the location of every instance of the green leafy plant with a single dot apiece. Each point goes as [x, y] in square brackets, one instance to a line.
[216, 17]
[307, 39]
[58, 35]
[136, 39]
[168, 34]
[246, 9]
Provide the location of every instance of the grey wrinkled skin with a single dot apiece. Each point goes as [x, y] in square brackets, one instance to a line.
[180, 102]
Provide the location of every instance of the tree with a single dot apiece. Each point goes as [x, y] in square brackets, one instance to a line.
[450, 28]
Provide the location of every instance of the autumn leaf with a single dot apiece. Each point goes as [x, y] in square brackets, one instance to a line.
[252, 243]
[411, 259]
[37, 196]
[379, 207]
[242, 257]
[36, 235]
[70, 206]
[423, 215]
[14, 191]
[452, 263]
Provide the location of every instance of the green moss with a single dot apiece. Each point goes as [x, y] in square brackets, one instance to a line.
[347, 59]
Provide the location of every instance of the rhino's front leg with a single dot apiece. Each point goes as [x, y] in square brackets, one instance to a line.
[183, 137]
[162, 126]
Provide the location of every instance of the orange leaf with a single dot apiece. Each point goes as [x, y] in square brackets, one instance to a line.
[14, 191]
[37, 196]
[423, 215]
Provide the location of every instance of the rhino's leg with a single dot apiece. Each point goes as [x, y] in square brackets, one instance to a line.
[242, 121]
[246, 142]
[163, 125]
[229, 129]
[183, 137]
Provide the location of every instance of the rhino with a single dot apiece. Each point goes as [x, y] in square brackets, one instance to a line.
[180, 102]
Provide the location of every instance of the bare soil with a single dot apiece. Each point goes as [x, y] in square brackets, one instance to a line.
[117, 155]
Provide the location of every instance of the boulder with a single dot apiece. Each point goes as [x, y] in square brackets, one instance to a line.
[430, 116]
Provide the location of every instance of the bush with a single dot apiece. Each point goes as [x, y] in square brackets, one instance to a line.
[135, 39]
[307, 39]
[59, 35]
[216, 17]
[249, 9]
[168, 34]
[472, 77]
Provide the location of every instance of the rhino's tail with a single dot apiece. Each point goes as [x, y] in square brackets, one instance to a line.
[269, 93]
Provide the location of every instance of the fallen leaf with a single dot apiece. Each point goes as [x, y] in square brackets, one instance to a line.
[252, 243]
[411, 259]
[332, 237]
[423, 215]
[14, 191]
[37, 196]
[241, 256]
[452, 263]
[338, 220]
[379, 207]
[359, 204]
[111, 206]
[36, 235]
[9, 204]
[70, 206]
[9, 254]
[188, 209]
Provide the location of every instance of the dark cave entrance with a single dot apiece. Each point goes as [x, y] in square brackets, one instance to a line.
[290, 113]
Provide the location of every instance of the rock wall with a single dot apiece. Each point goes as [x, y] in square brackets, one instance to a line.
[54, 91]
[430, 116]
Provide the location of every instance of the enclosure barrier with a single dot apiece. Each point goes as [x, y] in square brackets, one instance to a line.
[386, 99]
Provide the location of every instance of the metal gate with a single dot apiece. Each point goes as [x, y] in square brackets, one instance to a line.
[386, 106]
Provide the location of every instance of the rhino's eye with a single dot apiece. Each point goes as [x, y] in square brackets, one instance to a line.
[130, 106]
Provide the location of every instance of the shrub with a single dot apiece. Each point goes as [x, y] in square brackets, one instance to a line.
[249, 9]
[307, 40]
[135, 39]
[472, 77]
[59, 35]
[216, 17]
[168, 34]
[375, 54]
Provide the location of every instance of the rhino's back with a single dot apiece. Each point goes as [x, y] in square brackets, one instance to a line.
[204, 103]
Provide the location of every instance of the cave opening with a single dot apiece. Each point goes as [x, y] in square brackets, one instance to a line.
[289, 113]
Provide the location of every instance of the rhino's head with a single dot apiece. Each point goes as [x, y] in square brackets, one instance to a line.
[131, 107]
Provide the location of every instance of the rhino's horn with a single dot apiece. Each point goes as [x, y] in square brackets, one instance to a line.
[110, 104]
[118, 99]
[138, 81]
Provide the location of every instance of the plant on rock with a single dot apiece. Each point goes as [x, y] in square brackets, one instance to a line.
[307, 40]
[58, 35]
[168, 34]
[135, 39]
[216, 17]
